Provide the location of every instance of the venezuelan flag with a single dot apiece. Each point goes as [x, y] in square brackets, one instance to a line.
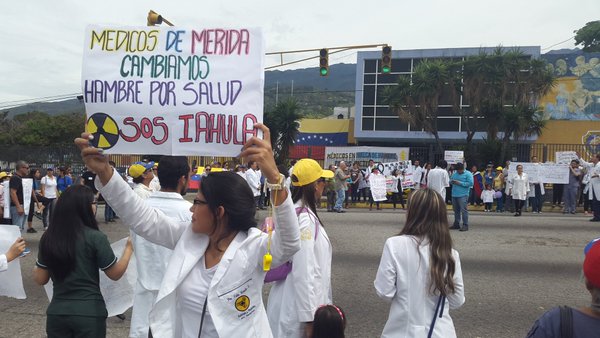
[322, 132]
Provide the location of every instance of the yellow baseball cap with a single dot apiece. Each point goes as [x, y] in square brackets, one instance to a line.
[138, 169]
[307, 171]
[3, 175]
[499, 168]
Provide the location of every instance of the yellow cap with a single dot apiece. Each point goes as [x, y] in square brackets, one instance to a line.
[307, 171]
[499, 168]
[137, 170]
[3, 174]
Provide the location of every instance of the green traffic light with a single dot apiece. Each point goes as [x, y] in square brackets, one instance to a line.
[386, 69]
[324, 71]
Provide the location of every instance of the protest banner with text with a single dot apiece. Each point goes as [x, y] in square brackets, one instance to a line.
[172, 91]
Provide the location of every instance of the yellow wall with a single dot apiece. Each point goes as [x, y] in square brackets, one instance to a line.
[567, 132]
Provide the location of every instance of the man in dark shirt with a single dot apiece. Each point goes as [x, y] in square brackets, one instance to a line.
[17, 208]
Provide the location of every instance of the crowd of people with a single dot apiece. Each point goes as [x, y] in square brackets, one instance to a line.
[202, 265]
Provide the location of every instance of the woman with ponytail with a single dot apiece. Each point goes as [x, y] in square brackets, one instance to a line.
[420, 272]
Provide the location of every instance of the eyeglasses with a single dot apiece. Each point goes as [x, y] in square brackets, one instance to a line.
[199, 202]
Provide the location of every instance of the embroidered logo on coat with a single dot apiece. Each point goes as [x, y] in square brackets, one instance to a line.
[242, 303]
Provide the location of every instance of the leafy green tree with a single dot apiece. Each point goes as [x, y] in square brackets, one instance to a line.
[41, 129]
[589, 36]
[416, 101]
[283, 123]
[503, 88]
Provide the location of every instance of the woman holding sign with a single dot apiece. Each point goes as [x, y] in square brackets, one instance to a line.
[213, 283]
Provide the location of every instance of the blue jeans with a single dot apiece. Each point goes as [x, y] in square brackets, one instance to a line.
[459, 204]
[500, 203]
[18, 220]
[109, 213]
[341, 197]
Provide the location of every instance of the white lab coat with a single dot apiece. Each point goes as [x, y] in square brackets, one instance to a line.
[417, 176]
[438, 180]
[293, 301]
[152, 260]
[531, 192]
[253, 179]
[518, 186]
[3, 262]
[239, 273]
[403, 279]
[487, 196]
[594, 184]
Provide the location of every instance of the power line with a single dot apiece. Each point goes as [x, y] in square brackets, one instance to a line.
[556, 44]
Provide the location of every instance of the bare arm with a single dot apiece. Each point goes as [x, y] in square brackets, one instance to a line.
[116, 271]
[40, 276]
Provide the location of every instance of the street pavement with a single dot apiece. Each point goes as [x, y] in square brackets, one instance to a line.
[514, 269]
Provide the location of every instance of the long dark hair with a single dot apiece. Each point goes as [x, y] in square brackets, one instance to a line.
[231, 191]
[306, 193]
[72, 212]
[329, 322]
[427, 218]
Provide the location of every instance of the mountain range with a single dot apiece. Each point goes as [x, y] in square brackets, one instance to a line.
[315, 94]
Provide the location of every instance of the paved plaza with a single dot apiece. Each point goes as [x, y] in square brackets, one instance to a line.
[514, 269]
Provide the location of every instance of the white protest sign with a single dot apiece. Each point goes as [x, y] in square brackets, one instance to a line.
[378, 187]
[173, 91]
[454, 156]
[118, 295]
[11, 281]
[27, 188]
[565, 157]
[542, 172]
[333, 155]
[6, 194]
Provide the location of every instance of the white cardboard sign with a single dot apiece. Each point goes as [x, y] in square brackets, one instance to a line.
[11, 281]
[173, 91]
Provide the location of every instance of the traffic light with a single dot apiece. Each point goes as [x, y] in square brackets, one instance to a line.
[386, 59]
[324, 62]
[154, 18]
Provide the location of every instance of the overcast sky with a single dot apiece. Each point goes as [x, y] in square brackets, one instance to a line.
[42, 40]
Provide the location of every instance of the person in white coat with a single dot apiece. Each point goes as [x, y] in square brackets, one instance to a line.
[421, 286]
[213, 283]
[294, 300]
[253, 179]
[518, 188]
[152, 259]
[593, 170]
[438, 178]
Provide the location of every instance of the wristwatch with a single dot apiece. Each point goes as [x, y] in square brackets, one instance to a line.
[280, 185]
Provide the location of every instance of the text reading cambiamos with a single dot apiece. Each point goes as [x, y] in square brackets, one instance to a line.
[173, 91]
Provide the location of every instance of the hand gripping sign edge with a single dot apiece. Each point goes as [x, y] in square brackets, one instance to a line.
[105, 130]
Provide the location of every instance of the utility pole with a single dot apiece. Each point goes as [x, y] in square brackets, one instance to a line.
[292, 88]
[277, 93]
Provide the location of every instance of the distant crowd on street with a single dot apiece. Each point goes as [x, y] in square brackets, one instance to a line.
[202, 265]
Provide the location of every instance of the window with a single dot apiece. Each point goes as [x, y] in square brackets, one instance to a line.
[390, 124]
[370, 66]
[368, 111]
[400, 65]
[369, 95]
[367, 123]
[448, 124]
[369, 79]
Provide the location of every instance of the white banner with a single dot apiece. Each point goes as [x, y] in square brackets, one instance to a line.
[118, 295]
[11, 281]
[454, 156]
[333, 155]
[543, 172]
[565, 157]
[378, 187]
[172, 91]
[27, 189]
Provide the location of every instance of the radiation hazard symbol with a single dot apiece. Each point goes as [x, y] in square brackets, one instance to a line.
[242, 303]
[105, 130]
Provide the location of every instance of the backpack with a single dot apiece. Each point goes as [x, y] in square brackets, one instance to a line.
[280, 273]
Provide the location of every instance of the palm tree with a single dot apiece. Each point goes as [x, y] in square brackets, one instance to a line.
[283, 123]
[416, 101]
[503, 87]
